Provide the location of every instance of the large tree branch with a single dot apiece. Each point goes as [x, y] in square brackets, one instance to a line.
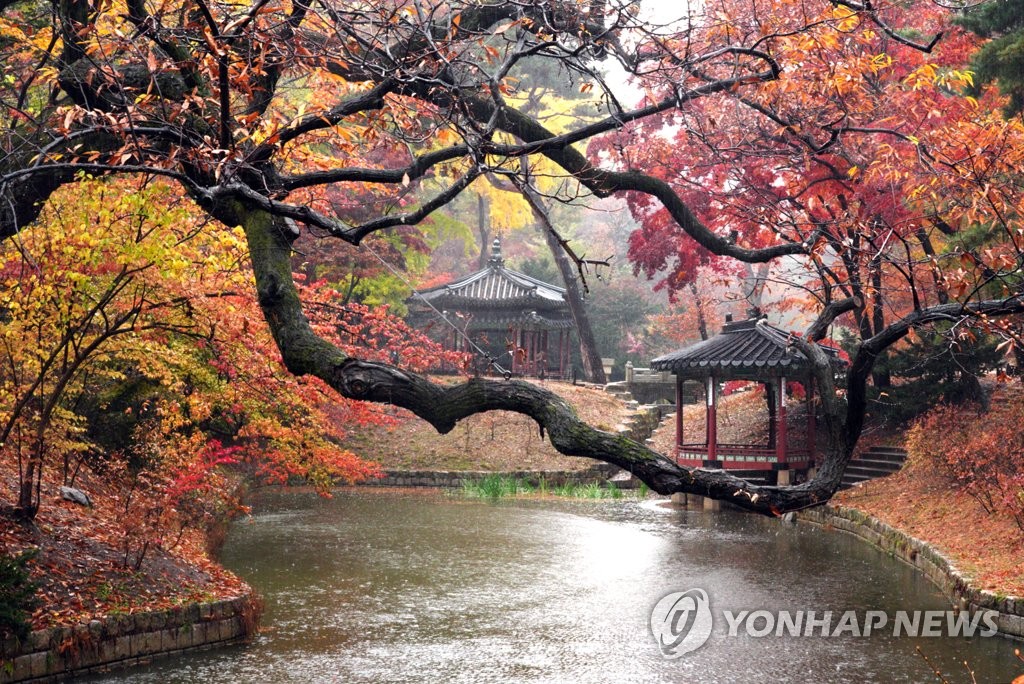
[870, 349]
[304, 353]
[831, 312]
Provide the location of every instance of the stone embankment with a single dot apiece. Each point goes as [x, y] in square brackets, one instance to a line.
[59, 653]
[955, 584]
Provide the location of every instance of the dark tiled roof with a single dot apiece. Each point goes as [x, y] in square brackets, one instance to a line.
[495, 287]
[745, 347]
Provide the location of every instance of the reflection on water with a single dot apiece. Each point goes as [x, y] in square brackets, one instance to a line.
[375, 586]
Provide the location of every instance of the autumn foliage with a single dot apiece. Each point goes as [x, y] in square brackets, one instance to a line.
[980, 452]
[883, 157]
[132, 347]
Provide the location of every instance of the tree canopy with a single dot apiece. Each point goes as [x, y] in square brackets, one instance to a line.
[832, 138]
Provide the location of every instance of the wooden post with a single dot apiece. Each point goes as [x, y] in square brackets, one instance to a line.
[529, 351]
[679, 415]
[780, 446]
[516, 343]
[534, 346]
[561, 355]
[712, 422]
[568, 352]
[811, 422]
[544, 352]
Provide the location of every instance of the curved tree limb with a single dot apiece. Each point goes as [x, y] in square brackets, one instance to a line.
[304, 353]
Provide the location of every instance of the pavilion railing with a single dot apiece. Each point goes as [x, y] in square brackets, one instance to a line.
[741, 452]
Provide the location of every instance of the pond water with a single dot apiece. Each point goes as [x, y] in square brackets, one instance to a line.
[409, 586]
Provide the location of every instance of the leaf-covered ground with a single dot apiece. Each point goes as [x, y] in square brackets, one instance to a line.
[80, 566]
[497, 441]
[921, 503]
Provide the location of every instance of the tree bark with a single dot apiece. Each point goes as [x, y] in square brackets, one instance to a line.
[443, 406]
[483, 226]
[593, 369]
[698, 303]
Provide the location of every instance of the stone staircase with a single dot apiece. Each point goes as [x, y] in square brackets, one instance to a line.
[620, 390]
[878, 461]
[638, 424]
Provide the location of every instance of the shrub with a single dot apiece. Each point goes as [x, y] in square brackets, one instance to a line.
[981, 453]
[17, 594]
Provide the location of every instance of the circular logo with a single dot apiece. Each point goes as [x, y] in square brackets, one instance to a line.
[681, 622]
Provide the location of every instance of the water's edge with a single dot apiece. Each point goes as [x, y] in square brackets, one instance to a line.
[118, 641]
[953, 583]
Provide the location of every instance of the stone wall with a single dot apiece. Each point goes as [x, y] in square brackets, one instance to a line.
[123, 640]
[453, 479]
[936, 567]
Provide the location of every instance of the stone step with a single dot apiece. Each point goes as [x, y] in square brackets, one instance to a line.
[890, 453]
[876, 464]
[866, 472]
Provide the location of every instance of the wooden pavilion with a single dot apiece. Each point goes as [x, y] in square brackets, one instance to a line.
[521, 322]
[755, 351]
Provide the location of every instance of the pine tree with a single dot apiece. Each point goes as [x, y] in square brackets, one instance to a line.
[17, 594]
[1002, 58]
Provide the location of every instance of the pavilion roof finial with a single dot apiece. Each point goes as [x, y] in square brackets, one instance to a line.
[496, 259]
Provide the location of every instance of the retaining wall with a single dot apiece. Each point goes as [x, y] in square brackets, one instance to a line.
[122, 640]
[450, 479]
[936, 567]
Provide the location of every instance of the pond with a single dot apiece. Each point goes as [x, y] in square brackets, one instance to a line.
[413, 586]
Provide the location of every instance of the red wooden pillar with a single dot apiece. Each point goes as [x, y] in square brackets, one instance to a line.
[679, 415]
[544, 352]
[517, 342]
[780, 432]
[712, 426]
[527, 350]
[531, 354]
[811, 421]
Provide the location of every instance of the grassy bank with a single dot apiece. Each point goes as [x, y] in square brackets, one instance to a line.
[499, 486]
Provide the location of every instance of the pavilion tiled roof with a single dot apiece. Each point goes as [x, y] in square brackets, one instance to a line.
[750, 347]
[496, 287]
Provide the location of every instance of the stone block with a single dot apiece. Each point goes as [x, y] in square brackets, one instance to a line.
[200, 633]
[225, 631]
[108, 650]
[151, 642]
[9, 648]
[143, 622]
[123, 647]
[184, 636]
[22, 667]
[95, 628]
[1011, 624]
[39, 664]
[38, 640]
[169, 639]
[190, 614]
